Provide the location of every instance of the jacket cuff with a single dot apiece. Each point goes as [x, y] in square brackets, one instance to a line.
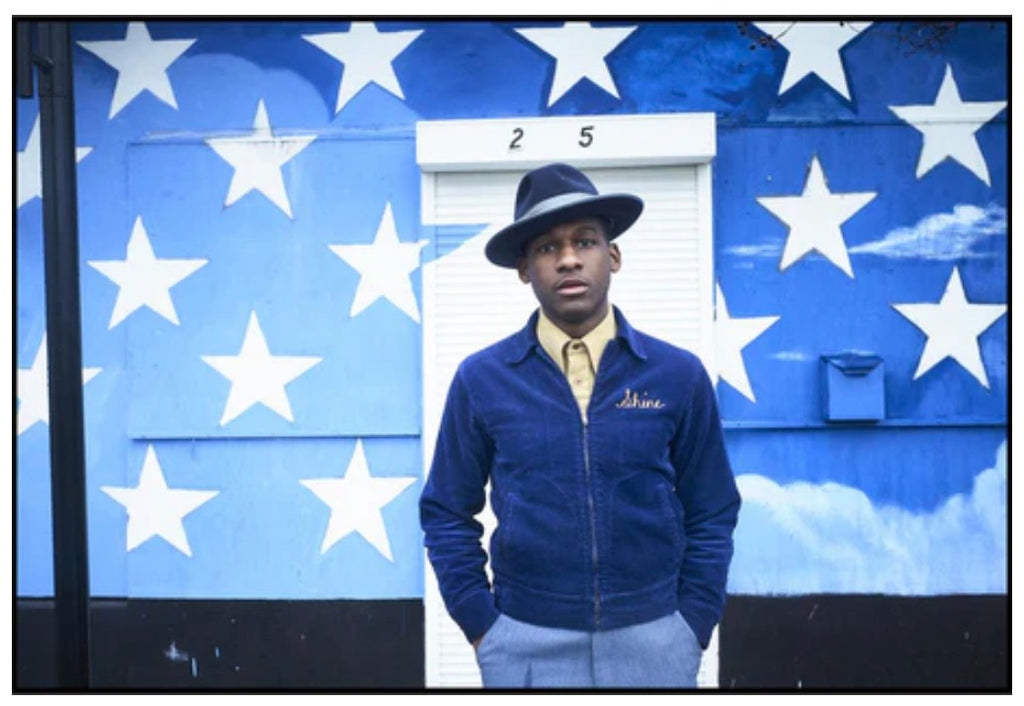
[700, 623]
[475, 614]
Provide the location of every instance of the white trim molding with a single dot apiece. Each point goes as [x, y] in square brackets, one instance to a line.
[581, 140]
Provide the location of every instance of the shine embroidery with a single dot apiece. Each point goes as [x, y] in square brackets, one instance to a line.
[638, 400]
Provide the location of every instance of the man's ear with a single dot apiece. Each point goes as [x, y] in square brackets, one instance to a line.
[616, 257]
[524, 277]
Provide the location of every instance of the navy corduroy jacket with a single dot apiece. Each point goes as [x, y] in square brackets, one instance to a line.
[601, 524]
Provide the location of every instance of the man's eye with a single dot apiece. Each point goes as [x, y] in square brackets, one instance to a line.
[545, 248]
[587, 242]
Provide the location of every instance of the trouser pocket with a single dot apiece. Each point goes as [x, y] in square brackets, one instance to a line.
[491, 638]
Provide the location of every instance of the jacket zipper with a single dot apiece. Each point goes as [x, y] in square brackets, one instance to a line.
[593, 523]
[590, 489]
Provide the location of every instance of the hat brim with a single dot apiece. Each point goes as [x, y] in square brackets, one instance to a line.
[506, 247]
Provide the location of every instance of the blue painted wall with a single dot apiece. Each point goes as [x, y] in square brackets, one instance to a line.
[913, 505]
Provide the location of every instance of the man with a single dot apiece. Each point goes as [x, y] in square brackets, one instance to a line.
[614, 498]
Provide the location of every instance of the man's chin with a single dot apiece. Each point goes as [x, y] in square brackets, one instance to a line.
[572, 311]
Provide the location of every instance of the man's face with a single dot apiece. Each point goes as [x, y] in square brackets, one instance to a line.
[570, 268]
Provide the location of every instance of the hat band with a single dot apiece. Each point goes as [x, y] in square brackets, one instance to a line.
[555, 202]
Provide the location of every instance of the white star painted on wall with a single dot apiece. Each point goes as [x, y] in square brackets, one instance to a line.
[143, 279]
[949, 126]
[30, 174]
[257, 159]
[141, 64]
[356, 503]
[34, 390]
[367, 55]
[813, 49]
[815, 218]
[580, 52]
[952, 327]
[154, 510]
[731, 336]
[257, 376]
[384, 268]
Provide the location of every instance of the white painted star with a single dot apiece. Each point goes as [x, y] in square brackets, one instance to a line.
[356, 502]
[34, 390]
[156, 510]
[30, 175]
[952, 327]
[257, 159]
[143, 279]
[384, 268]
[815, 218]
[141, 64]
[949, 126]
[579, 50]
[258, 376]
[813, 49]
[731, 337]
[367, 56]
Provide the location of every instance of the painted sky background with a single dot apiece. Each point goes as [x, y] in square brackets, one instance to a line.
[831, 538]
[267, 181]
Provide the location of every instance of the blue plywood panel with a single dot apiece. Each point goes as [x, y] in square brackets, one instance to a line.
[904, 511]
[348, 362]
[239, 519]
[903, 246]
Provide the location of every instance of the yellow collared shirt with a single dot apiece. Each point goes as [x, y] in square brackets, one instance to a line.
[578, 357]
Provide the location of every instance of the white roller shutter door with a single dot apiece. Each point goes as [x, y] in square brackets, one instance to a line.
[664, 288]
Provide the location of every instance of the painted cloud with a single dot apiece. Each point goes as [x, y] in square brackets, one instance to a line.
[802, 538]
[941, 236]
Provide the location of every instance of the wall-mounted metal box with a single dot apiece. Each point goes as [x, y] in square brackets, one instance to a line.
[853, 387]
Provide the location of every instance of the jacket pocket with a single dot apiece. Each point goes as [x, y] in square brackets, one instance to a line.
[539, 541]
[645, 532]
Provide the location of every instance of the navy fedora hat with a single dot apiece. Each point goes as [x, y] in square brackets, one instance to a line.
[554, 194]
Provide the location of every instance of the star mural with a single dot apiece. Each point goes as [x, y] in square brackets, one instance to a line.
[580, 52]
[30, 176]
[141, 63]
[257, 376]
[33, 390]
[183, 219]
[156, 510]
[367, 55]
[732, 335]
[384, 268]
[952, 327]
[143, 279]
[357, 501]
[815, 218]
[814, 48]
[949, 127]
[257, 159]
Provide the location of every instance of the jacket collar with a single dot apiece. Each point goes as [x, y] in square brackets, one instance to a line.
[525, 340]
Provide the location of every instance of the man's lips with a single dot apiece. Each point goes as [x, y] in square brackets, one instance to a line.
[571, 287]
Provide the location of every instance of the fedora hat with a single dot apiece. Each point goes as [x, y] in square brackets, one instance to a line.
[554, 194]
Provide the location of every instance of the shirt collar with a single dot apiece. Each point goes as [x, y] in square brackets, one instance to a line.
[553, 339]
[523, 342]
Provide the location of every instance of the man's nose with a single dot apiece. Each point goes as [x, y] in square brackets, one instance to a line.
[568, 257]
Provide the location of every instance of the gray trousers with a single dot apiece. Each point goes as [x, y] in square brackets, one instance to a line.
[662, 653]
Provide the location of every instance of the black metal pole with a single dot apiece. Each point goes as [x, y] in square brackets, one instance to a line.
[23, 59]
[64, 352]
